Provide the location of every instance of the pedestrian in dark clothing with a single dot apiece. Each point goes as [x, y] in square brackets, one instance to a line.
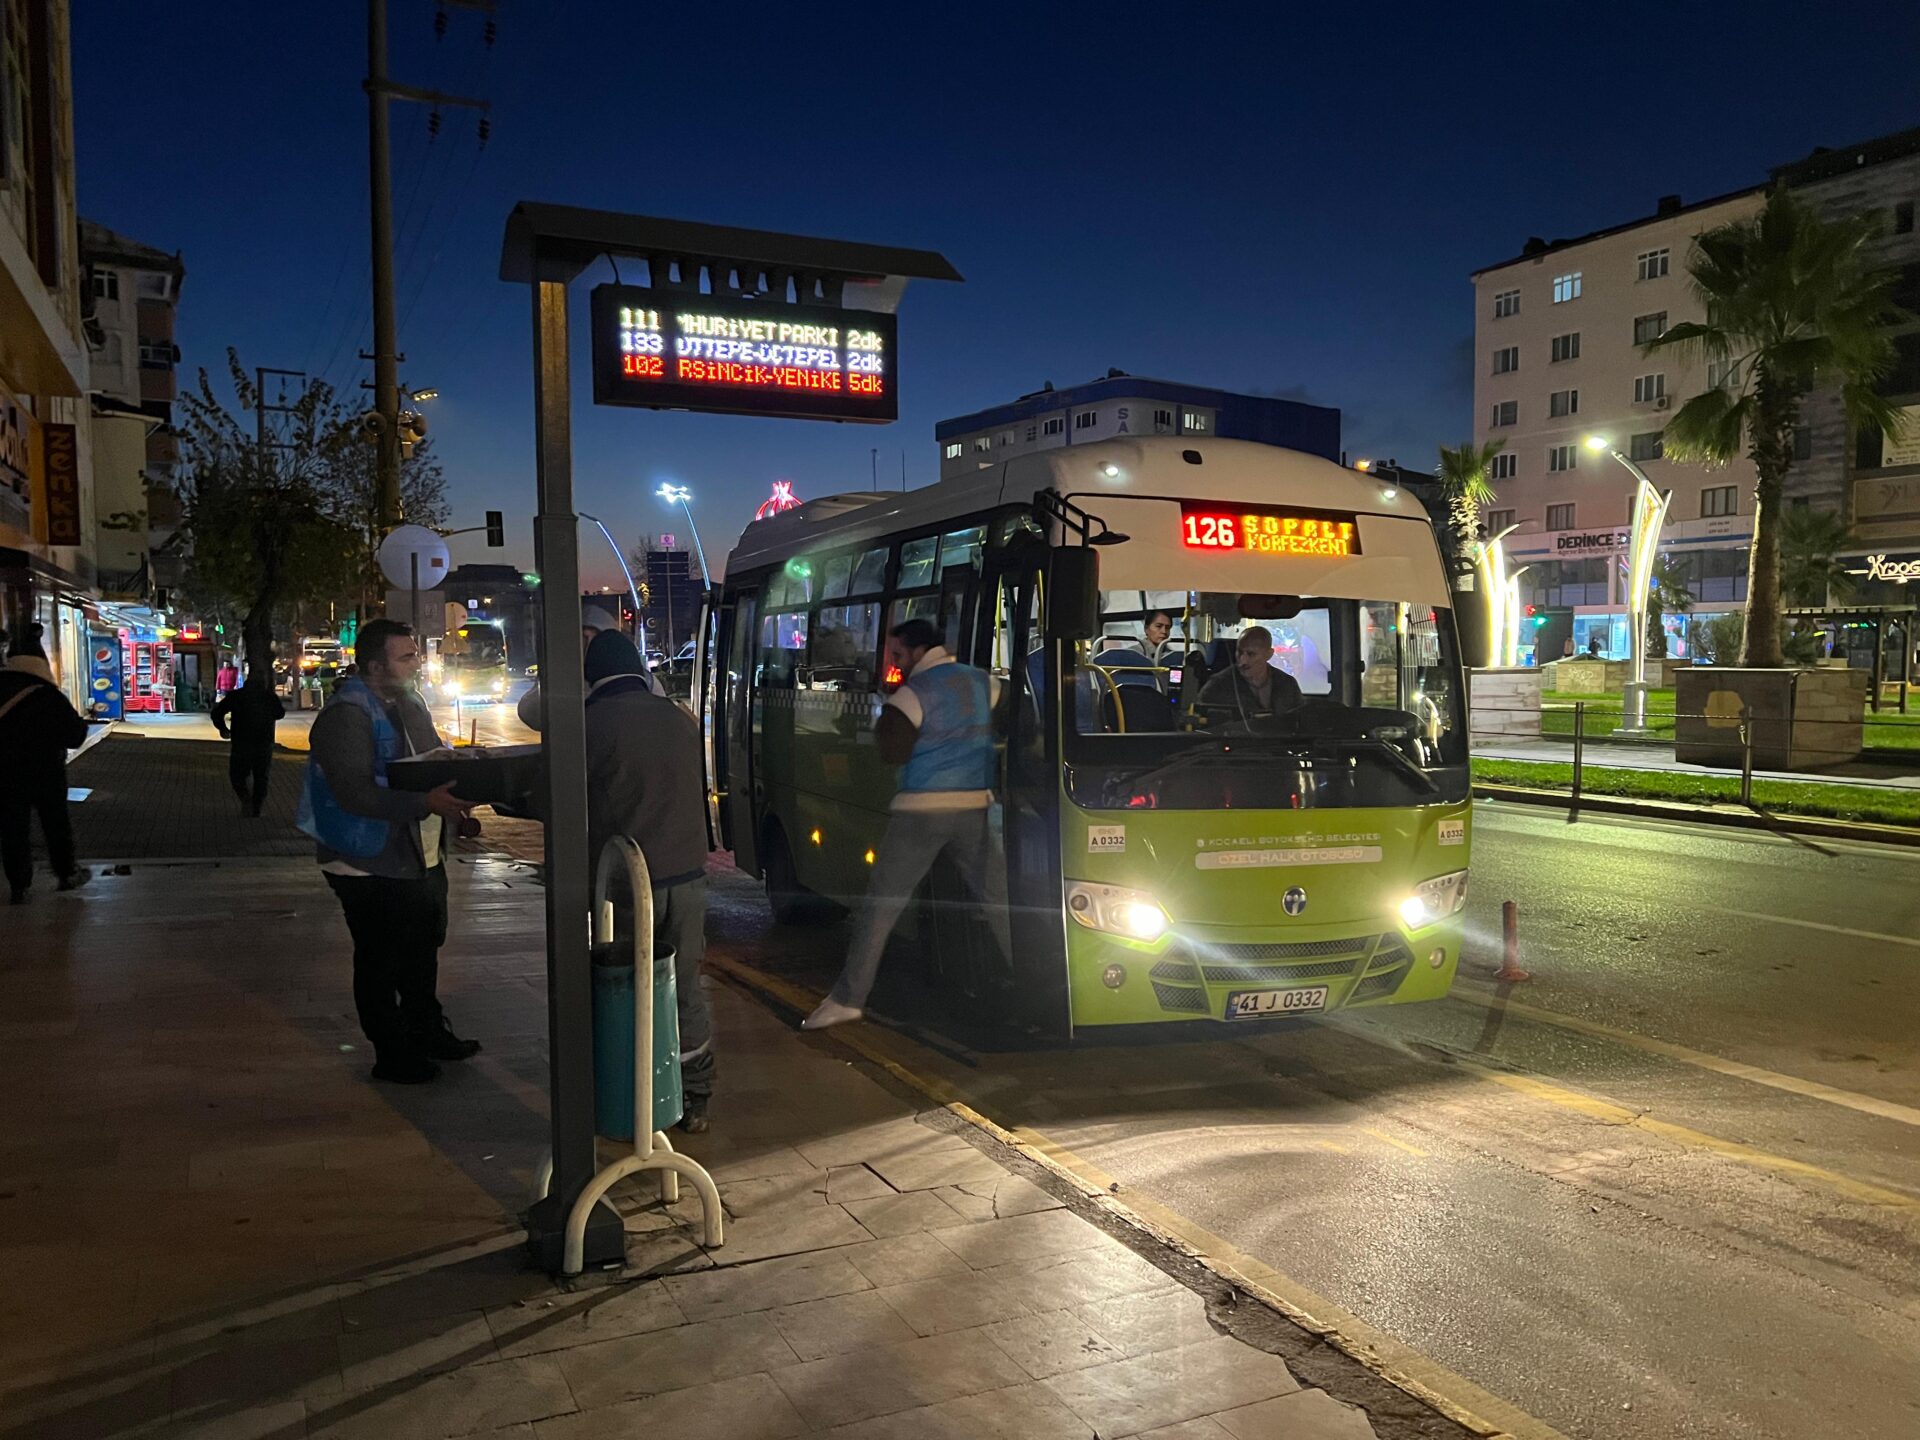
[381, 850]
[246, 717]
[38, 725]
[644, 768]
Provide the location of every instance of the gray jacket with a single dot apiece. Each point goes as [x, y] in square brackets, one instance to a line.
[645, 778]
[342, 746]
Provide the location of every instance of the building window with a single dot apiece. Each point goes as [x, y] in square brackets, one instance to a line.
[1648, 445]
[1086, 419]
[1497, 520]
[1653, 264]
[1032, 431]
[1193, 421]
[157, 355]
[1649, 328]
[1803, 442]
[1649, 389]
[1566, 347]
[983, 443]
[1566, 287]
[106, 284]
[1562, 457]
[1506, 412]
[1903, 218]
[1559, 517]
[1562, 403]
[1504, 466]
[1163, 420]
[1053, 426]
[1718, 500]
[1506, 303]
[1723, 375]
[1506, 361]
[153, 287]
[954, 450]
[1006, 438]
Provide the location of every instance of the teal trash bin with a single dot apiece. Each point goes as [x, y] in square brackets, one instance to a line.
[613, 1045]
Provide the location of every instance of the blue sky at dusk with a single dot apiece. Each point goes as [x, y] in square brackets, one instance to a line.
[1266, 197]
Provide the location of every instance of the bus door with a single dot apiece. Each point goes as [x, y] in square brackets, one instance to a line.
[740, 791]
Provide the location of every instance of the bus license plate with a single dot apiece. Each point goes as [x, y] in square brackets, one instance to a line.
[1250, 1004]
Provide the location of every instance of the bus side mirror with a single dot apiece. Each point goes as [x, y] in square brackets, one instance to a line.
[1073, 593]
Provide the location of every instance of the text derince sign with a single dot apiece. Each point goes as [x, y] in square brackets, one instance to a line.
[746, 357]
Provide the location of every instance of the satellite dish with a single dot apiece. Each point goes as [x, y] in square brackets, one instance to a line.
[399, 550]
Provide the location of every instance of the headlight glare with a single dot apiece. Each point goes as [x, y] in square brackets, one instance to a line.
[1114, 910]
[1434, 899]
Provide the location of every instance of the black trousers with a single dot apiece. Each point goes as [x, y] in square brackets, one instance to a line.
[249, 764]
[18, 802]
[398, 927]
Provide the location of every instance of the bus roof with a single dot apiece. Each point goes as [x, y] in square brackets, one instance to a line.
[1396, 536]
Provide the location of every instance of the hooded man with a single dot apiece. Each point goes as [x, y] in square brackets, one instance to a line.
[38, 725]
[644, 769]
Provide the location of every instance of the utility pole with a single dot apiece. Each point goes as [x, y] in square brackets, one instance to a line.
[386, 355]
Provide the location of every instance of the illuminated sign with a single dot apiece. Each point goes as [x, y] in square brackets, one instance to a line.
[782, 500]
[1592, 540]
[669, 350]
[1881, 567]
[1268, 530]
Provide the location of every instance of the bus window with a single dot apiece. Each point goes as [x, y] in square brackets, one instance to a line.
[801, 581]
[839, 573]
[783, 646]
[960, 550]
[870, 574]
[845, 640]
[916, 562]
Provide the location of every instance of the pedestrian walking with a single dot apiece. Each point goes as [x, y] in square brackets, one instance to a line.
[38, 726]
[227, 680]
[245, 718]
[644, 768]
[939, 726]
[382, 851]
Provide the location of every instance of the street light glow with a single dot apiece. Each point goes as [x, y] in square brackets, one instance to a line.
[674, 494]
[1599, 442]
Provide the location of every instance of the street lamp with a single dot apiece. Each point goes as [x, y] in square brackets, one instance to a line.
[682, 495]
[1643, 544]
[632, 589]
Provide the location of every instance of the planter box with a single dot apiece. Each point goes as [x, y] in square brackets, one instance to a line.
[1800, 719]
[1581, 676]
[1504, 701]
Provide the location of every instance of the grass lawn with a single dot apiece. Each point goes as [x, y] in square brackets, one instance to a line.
[1788, 797]
[1889, 730]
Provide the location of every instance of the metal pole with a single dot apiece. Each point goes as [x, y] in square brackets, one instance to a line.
[633, 590]
[706, 575]
[1746, 760]
[386, 365]
[1579, 745]
[564, 743]
[413, 590]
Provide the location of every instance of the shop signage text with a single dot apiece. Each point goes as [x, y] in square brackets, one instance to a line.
[1592, 540]
[14, 444]
[63, 484]
[1879, 567]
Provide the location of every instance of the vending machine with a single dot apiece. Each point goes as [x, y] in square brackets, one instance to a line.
[149, 681]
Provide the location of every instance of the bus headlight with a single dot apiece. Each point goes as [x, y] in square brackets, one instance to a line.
[1435, 899]
[1116, 911]
[499, 686]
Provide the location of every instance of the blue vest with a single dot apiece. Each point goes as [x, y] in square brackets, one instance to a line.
[319, 814]
[955, 749]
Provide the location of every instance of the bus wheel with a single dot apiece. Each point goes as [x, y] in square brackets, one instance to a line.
[791, 901]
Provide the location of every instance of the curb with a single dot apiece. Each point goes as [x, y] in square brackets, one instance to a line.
[1818, 826]
[1167, 1229]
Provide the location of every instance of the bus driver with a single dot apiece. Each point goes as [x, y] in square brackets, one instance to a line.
[1254, 686]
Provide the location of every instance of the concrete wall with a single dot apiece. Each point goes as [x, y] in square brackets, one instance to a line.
[1504, 702]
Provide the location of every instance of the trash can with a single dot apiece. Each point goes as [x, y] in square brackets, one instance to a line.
[613, 1042]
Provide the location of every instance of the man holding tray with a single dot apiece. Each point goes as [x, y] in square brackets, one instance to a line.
[382, 850]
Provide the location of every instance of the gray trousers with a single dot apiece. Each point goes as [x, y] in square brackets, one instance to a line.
[680, 925]
[913, 841]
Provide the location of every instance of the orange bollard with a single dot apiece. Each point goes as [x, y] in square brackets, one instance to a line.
[1510, 970]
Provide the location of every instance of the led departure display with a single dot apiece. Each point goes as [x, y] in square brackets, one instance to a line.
[1268, 529]
[754, 357]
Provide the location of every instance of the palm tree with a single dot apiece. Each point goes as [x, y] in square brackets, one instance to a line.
[1811, 571]
[1465, 489]
[1792, 301]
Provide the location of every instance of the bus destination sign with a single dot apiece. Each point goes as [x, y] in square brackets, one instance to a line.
[1268, 529]
[670, 350]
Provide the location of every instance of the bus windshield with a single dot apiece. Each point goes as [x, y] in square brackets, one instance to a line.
[1201, 699]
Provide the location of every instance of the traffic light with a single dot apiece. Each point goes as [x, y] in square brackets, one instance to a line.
[496, 529]
[1533, 614]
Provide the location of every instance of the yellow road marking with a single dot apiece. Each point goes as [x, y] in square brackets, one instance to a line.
[1397, 1144]
[1793, 1084]
[1336, 1148]
[1452, 1395]
[1879, 935]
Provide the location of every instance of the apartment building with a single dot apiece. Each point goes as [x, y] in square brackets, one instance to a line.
[1123, 404]
[1558, 337]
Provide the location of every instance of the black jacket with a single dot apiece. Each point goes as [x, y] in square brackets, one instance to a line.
[39, 729]
[246, 716]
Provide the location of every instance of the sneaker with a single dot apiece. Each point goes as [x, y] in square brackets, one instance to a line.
[77, 877]
[406, 1070]
[831, 1012]
[693, 1118]
[443, 1044]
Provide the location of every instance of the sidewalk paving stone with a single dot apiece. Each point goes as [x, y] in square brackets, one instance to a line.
[1152, 1391]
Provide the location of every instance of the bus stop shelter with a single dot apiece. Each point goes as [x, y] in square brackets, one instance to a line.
[1875, 626]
